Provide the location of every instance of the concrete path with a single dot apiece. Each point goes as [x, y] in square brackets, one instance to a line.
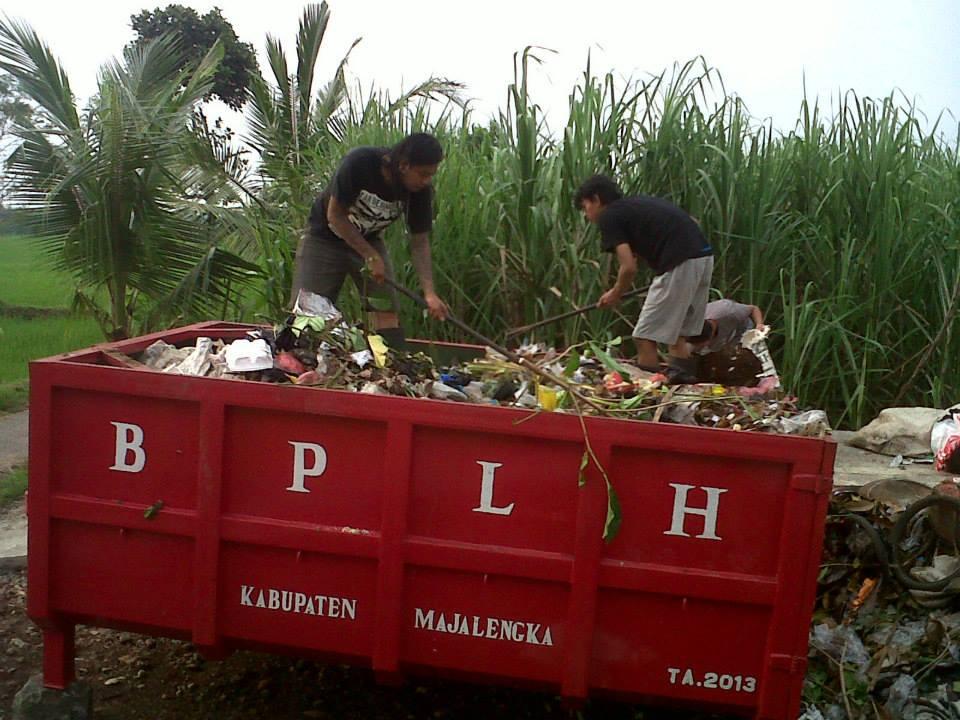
[13, 518]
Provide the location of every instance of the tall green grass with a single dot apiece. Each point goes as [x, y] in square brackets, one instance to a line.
[843, 229]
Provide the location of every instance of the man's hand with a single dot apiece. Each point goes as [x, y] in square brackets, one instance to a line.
[611, 298]
[377, 268]
[436, 307]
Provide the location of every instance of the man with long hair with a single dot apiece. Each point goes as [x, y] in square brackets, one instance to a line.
[373, 187]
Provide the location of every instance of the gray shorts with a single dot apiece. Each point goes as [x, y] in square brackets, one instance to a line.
[676, 302]
[323, 264]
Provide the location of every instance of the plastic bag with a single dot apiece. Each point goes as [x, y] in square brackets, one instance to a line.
[812, 423]
[901, 696]
[755, 341]
[314, 305]
[841, 643]
[945, 441]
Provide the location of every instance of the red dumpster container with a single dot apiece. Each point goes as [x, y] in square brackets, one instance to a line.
[421, 536]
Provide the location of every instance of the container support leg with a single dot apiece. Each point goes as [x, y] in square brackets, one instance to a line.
[58, 651]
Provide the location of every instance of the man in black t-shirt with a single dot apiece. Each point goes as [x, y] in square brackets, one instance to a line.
[671, 243]
[372, 188]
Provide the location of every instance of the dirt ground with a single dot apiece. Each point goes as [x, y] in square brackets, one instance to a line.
[139, 678]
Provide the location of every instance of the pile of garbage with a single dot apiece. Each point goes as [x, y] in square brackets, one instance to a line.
[885, 638]
[314, 347]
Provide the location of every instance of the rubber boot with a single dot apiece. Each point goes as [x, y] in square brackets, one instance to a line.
[681, 371]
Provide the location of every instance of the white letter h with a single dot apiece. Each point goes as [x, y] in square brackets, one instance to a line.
[680, 511]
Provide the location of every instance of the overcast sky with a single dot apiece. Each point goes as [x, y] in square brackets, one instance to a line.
[763, 49]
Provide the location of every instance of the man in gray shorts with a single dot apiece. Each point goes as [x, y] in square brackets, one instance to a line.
[371, 189]
[671, 243]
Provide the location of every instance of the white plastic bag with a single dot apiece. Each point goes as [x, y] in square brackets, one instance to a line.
[198, 362]
[313, 305]
[812, 423]
[755, 340]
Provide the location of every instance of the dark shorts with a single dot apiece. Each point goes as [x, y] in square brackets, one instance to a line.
[323, 264]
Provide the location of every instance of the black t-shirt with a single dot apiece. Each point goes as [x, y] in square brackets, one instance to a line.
[372, 202]
[655, 229]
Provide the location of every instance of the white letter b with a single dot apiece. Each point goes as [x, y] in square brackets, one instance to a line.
[129, 440]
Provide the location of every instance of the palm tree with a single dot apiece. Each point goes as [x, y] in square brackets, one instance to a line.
[108, 188]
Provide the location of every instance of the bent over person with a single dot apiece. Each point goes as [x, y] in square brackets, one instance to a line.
[671, 243]
[373, 187]
[724, 323]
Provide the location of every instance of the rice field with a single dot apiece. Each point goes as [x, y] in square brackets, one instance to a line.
[27, 277]
[26, 336]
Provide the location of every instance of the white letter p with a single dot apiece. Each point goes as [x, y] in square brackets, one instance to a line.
[300, 471]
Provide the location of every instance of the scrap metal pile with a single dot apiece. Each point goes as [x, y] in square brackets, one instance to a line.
[314, 347]
[885, 638]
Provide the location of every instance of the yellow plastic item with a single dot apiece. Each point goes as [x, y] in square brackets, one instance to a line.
[719, 390]
[379, 348]
[547, 397]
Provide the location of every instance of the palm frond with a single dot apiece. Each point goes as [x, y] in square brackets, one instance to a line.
[313, 26]
[433, 88]
[331, 97]
[278, 64]
[201, 78]
[38, 73]
[263, 125]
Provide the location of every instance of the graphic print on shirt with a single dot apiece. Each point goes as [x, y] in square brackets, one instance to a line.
[371, 213]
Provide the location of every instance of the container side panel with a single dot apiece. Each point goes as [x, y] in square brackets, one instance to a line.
[309, 468]
[125, 448]
[699, 512]
[695, 650]
[480, 623]
[495, 489]
[122, 575]
[293, 599]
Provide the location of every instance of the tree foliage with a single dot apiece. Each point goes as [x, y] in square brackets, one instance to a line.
[198, 33]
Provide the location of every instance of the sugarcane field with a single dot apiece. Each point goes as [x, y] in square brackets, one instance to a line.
[407, 361]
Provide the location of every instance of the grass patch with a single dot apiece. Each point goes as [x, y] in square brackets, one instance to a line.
[28, 279]
[23, 340]
[14, 396]
[13, 485]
